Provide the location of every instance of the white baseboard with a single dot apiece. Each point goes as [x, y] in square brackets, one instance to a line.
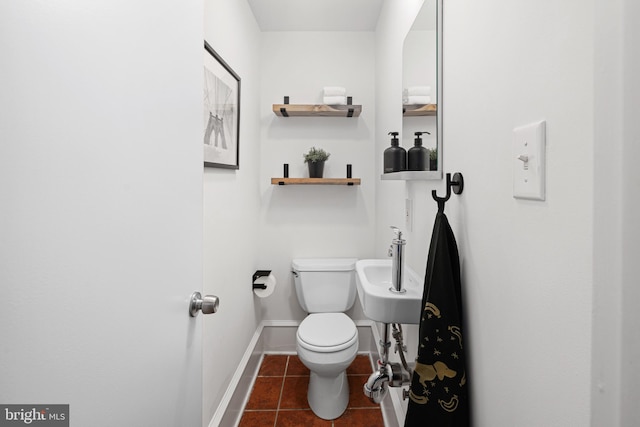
[279, 337]
[235, 397]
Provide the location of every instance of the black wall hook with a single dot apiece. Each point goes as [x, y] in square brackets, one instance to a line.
[456, 185]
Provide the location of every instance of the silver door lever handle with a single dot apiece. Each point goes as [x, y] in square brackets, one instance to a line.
[209, 304]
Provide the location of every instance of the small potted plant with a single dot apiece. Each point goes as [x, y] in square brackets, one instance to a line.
[433, 159]
[315, 159]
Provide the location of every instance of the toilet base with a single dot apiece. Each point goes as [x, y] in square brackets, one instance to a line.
[328, 397]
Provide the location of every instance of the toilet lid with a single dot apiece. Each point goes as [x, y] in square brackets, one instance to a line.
[325, 332]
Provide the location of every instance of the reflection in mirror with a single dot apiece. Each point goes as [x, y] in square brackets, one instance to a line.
[422, 83]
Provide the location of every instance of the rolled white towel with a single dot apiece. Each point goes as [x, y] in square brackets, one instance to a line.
[334, 91]
[415, 99]
[335, 100]
[419, 90]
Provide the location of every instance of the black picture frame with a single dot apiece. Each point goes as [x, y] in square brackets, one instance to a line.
[221, 142]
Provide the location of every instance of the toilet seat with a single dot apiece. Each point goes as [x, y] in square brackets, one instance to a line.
[327, 332]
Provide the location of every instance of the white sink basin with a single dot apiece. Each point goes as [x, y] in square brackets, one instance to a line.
[373, 279]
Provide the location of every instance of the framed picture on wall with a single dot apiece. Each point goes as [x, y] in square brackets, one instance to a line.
[221, 112]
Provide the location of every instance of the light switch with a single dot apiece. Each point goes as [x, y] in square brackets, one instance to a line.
[529, 161]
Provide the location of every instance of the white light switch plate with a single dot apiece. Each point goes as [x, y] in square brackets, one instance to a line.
[529, 161]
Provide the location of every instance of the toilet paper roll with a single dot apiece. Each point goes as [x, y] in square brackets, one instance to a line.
[269, 281]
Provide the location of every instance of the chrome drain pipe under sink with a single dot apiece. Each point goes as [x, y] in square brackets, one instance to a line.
[388, 374]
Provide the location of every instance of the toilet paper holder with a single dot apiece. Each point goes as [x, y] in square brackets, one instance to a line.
[257, 275]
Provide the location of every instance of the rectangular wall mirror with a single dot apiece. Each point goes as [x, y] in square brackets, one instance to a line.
[422, 85]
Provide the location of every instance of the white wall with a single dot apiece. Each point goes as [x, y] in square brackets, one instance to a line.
[314, 221]
[609, 175]
[616, 232]
[231, 206]
[631, 229]
[526, 265]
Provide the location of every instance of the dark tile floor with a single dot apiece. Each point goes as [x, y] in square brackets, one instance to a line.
[279, 396]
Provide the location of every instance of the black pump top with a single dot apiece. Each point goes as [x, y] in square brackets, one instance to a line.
[418, 140]
[394, 138]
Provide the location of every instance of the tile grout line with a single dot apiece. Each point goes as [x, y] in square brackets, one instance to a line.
[284, 375]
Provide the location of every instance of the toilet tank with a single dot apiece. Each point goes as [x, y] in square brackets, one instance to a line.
[325, 285]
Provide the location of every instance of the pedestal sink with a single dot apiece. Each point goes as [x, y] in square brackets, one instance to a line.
[373, 279]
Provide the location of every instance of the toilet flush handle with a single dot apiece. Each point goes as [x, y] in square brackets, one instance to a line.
[208, 305]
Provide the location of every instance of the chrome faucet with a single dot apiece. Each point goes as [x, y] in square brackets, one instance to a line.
[396, 251]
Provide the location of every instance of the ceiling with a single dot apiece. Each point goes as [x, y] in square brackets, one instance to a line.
[316, 15]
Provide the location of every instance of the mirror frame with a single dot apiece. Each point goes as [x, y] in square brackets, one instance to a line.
[440, 85]
[437, 174]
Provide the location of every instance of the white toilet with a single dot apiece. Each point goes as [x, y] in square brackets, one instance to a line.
[327, 339]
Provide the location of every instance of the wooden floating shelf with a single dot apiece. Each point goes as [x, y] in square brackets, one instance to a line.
[300, 110]
[410, 110]
[315, 181]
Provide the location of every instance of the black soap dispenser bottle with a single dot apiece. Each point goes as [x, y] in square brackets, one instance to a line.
[418, 155]
[395, 157]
